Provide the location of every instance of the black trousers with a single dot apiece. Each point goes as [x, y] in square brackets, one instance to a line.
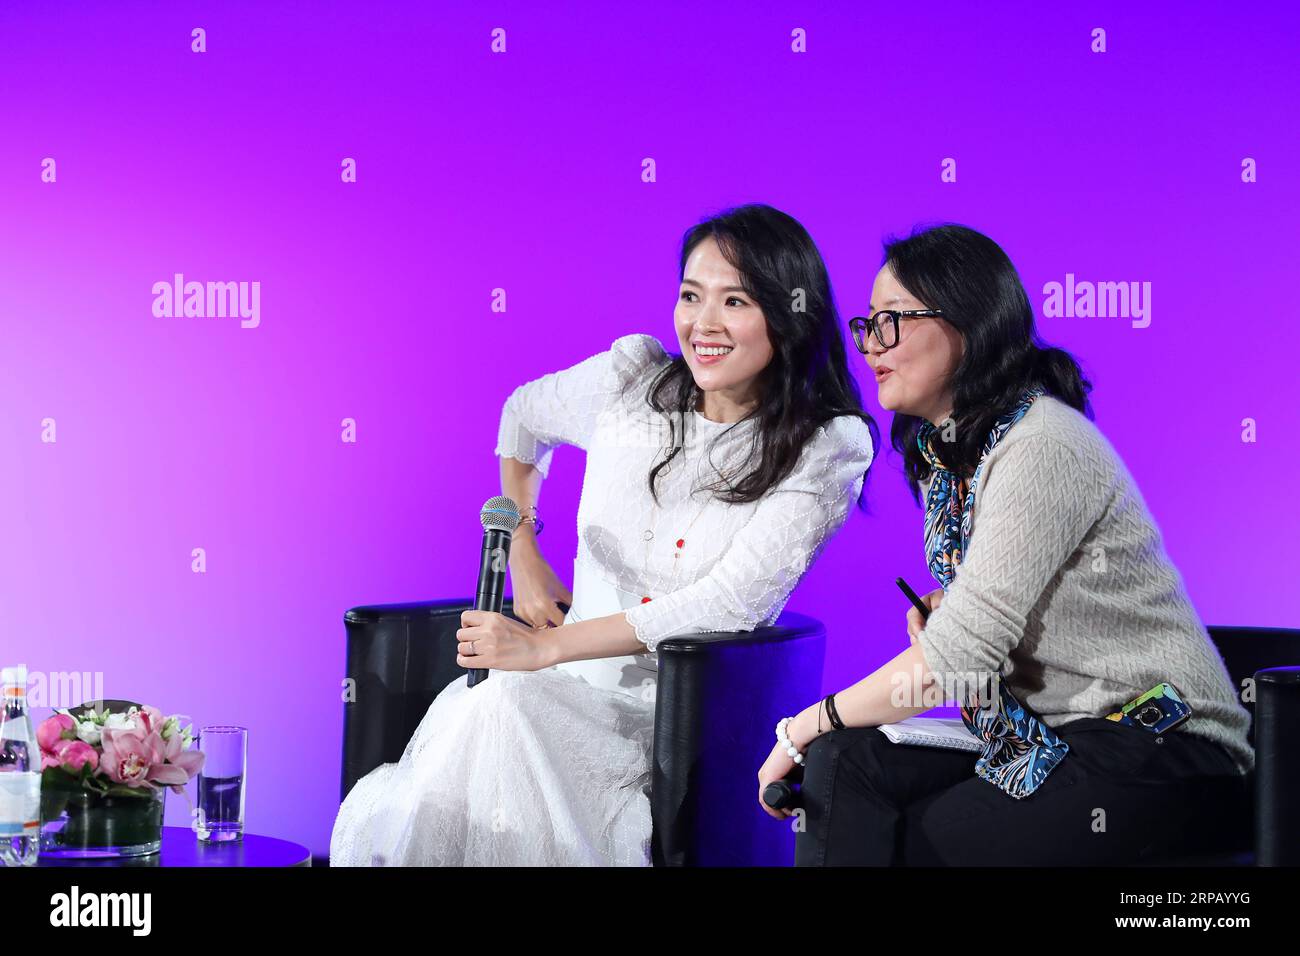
[1120, 796]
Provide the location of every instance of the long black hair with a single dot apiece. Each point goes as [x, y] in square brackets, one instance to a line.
[806, 384]
[966, 274]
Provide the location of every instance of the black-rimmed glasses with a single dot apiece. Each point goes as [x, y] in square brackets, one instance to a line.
[884, 326]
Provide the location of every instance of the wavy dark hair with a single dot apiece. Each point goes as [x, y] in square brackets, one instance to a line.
[968, 276]
[805, 385]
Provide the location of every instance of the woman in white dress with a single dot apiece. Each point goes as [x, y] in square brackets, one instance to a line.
[713, 480]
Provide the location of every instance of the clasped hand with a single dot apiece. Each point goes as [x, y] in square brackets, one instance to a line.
[488, 639]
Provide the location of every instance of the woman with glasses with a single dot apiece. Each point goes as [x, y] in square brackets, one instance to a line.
[1057, 606]
[713, 479]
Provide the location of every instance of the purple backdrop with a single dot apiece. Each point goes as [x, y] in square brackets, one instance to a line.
[522, 170]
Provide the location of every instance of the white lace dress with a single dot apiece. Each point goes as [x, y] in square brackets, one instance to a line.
[552, 767]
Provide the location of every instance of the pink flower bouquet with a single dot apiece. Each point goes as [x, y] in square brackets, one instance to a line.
[117, 748]
[106, 767]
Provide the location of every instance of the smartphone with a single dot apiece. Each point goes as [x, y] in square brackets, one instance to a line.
[1159, 709]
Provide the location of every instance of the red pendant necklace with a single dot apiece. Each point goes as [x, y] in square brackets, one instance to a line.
[680, 543]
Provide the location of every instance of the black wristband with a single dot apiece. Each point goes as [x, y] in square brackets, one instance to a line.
[832, 713]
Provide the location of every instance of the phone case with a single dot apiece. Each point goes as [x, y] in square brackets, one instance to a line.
[1159, 709]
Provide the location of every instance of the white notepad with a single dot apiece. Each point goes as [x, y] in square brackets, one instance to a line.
[947, 732]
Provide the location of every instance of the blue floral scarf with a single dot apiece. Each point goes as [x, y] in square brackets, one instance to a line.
[1019, 749]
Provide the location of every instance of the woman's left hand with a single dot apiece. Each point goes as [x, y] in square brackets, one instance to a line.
[488, 639]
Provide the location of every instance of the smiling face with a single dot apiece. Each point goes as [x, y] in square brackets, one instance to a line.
[914, 377]
[722, 333]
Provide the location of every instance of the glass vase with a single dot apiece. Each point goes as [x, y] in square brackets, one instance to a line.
[82, 823]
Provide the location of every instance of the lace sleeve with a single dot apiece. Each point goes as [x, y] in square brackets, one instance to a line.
[753, 579]
[562, 408]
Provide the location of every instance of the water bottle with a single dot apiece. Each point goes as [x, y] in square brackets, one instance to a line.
[20, 774]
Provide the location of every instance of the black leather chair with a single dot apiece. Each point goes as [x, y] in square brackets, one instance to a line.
[1272, 694]
[719, 695]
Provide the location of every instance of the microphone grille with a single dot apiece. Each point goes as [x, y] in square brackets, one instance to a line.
[501, 513]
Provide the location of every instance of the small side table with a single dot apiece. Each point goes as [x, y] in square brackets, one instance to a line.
[181, 847]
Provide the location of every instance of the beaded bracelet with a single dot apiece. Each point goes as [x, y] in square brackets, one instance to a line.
[784, 740]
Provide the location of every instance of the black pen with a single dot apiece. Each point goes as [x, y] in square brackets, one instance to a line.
[916, 601]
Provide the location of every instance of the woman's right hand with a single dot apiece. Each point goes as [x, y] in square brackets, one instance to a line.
[915, 623]
[536, 587]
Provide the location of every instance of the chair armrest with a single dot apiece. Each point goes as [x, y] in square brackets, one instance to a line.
[718, 698]
[399, 658]
[1277, 766]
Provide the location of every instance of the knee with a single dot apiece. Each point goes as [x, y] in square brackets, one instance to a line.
[506, 691]
[500, 684]
[858, 748]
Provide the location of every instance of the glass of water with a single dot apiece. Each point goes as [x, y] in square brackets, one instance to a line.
[221, 783]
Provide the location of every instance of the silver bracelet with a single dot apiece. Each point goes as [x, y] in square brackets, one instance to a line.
[533, 519]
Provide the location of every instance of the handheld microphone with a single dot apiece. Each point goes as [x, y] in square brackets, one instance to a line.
[781, 794]
[499, 517]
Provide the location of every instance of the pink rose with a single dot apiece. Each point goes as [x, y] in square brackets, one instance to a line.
[53, 734]
[74, 754]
